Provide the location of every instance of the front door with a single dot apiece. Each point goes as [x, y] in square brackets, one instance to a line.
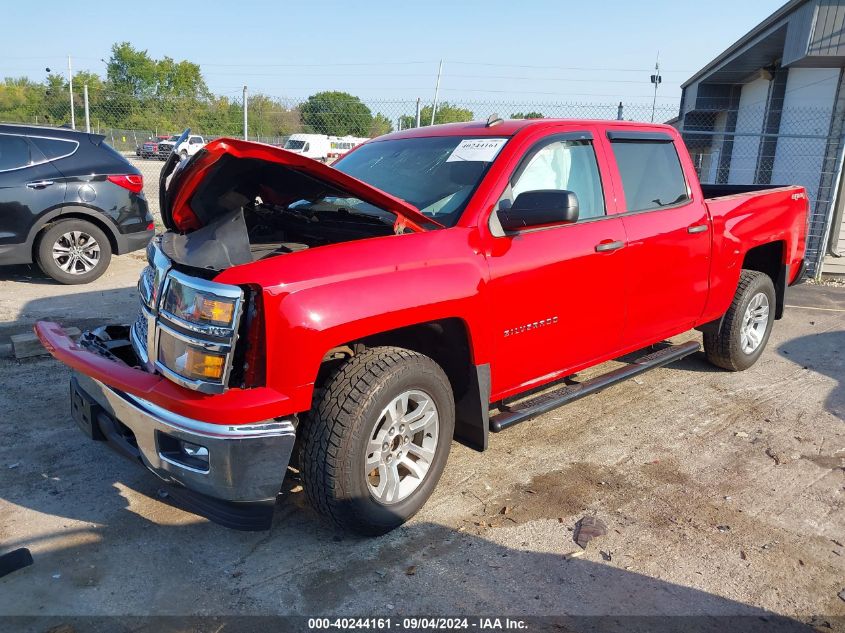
[558, 291]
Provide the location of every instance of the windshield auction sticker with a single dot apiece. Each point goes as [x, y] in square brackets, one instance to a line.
[481, 150]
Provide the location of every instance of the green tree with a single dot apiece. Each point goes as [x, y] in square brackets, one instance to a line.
[22, 100]
[143, 92]
[446, 113]
[180, 79]
[270, 117]
[131, 72]
[527, 115]
[380, 125]
[336, 114]
[56, 100]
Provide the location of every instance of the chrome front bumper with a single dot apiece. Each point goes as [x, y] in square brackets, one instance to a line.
[245, 463]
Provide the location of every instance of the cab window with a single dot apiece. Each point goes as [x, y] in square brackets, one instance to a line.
[563, 165]
[651, 173]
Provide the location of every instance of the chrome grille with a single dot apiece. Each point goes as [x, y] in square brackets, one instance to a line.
[148, 276]
[140, 328]
[140, 334]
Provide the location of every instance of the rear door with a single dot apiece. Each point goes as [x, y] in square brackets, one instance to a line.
[668, 233]
[558, 291]
[29, 187]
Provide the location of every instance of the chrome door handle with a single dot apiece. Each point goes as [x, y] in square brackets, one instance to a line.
[39, 184]
[603, 247]
[697, 228]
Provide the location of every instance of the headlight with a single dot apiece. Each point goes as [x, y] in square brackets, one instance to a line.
[215, 305]
[197, 330]
[190, 361]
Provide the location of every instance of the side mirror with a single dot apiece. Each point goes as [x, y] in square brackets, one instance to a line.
[538, 208]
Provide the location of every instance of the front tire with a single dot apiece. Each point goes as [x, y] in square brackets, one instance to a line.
[73, 252]
[377, 439]
[746, 326]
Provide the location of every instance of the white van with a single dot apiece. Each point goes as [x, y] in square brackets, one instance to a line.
[322, 147]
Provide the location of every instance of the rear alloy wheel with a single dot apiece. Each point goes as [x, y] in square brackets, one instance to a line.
[73, 252]
[755, 322]
[746, 326]
[374, 444]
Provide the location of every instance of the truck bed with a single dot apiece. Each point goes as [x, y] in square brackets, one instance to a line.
[721, 190]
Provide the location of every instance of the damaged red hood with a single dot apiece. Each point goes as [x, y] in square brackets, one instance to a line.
[175, 196]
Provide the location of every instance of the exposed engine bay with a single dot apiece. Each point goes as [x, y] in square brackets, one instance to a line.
[252, 210]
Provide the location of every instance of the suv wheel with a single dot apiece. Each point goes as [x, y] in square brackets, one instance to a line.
[376, 441]
[73, 252]
[746, 325]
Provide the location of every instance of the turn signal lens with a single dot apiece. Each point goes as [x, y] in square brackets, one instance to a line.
[216, 312]
[190, 361]
[203, 365]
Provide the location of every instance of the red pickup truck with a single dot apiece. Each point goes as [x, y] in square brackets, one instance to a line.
[434, 284]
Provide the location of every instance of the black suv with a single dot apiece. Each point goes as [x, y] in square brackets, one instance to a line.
[68, 201]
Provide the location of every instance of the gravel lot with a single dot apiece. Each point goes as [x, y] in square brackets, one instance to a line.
[724, 494]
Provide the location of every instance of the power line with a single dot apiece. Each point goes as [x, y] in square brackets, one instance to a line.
[559, 94]
[580, 68]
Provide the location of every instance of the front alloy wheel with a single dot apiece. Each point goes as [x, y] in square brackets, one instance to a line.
[376, 440]
[402, 446]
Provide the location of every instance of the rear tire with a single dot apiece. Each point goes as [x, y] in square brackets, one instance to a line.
[746, 326]
[377, 439]
[73, 252]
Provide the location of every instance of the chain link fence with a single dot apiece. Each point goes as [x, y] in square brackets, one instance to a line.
[128, 124]
[744, 145]
[773, 146]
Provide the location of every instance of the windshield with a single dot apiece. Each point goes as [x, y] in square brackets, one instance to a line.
[175, 137]
[435, 174]
[291, 144]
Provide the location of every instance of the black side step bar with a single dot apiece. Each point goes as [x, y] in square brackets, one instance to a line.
[544, 403]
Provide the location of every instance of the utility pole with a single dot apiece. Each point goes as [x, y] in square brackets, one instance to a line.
[87, 113]
[655, 79]
[246, 134]
[417, 118]
[70, 90]
[436, 91]
[620, 112]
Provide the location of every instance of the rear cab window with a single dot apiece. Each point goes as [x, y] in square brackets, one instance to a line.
[651, 172]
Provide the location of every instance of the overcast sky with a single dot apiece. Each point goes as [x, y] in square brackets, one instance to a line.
[515, 51]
